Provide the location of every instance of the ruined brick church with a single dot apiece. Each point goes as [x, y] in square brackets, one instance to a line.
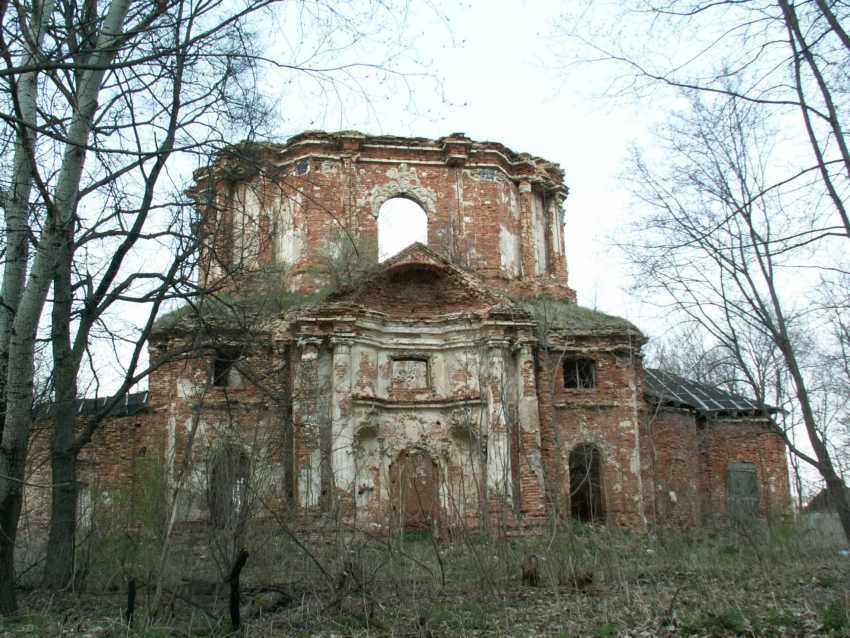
[454, 383]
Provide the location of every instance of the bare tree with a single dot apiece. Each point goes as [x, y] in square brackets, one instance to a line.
[123, 85]
[785, 59]
[105, 103]
[754, 217]
[736, 257]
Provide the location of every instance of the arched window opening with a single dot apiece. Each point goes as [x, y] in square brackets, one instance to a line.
[401, 222]
[586, 484]
[228, 475]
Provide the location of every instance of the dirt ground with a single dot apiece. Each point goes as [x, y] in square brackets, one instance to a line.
[779, 581]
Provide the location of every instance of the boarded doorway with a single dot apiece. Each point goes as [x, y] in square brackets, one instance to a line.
[414, 490]
[586, 484]
[742, 491]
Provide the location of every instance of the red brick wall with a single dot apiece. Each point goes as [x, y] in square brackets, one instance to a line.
[481, 200]
[493, 211]
[606, 416]
[672, 477]
[105, 464]
[742, 441]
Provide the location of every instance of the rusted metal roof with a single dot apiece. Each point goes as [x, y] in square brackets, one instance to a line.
[673, 390]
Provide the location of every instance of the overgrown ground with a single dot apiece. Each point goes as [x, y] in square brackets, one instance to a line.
[594, 582]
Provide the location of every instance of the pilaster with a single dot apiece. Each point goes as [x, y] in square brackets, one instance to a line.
[498, 440]
[305, 411]
[528, 414]
[342, 427]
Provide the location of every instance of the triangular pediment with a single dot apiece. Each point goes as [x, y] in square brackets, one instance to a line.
[419, 282]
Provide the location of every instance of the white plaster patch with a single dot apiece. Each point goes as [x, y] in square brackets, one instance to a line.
[557, 229]
[289, 245]
[498, 464]
[514, 204]
[186, 389]
[538, 232]
[634, 462]
[509, 249]
[310, 481]
[171, 446]
[329, 168]
[246, 243]
[200, 430]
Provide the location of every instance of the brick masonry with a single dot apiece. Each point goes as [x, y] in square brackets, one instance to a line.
[426, 372]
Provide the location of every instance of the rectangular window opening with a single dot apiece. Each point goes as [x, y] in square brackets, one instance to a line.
[579, 374]
[224, 372]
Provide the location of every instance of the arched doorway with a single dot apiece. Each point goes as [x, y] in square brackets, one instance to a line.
[586, 484]
[414, 483]
[401, 222]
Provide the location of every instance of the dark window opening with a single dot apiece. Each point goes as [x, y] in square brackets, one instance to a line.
[586, 484]
[579, 373]
[224, 372]
[229, 473]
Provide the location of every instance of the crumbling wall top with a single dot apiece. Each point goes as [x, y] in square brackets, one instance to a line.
[246, 159]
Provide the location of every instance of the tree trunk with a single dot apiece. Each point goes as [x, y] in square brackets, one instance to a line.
[838, 495]
[235, 619]
[17, 425]
[61, 541]
[781, 336]
[14, 275]
[10, 509]
[59, 567]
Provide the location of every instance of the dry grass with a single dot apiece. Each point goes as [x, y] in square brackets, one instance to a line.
[594, 582]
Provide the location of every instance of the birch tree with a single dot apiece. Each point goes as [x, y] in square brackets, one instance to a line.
[105, 103]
